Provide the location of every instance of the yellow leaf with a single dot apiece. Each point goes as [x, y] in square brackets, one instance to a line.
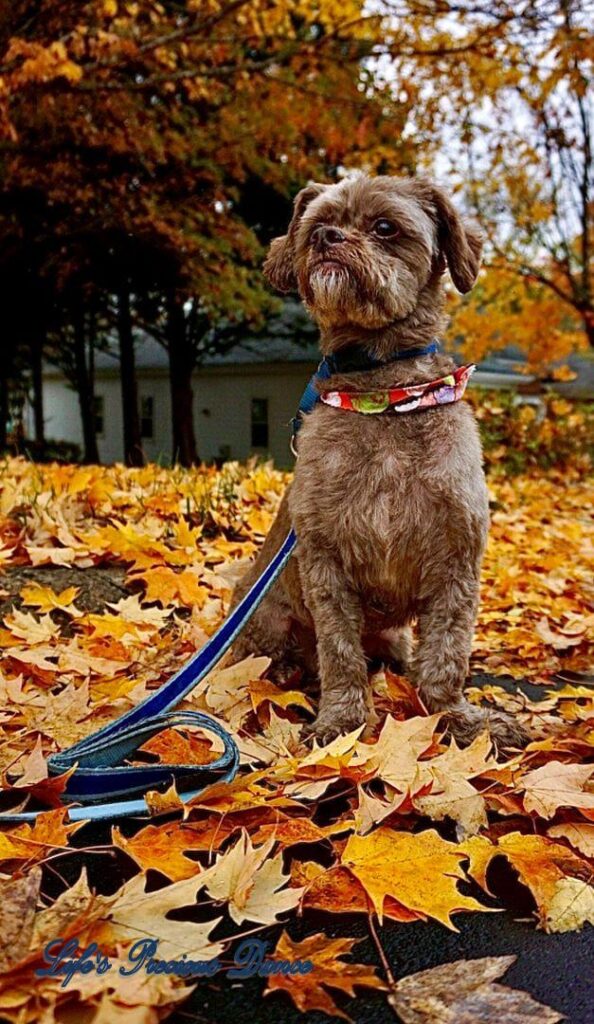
[419, 870]
[557, 785]
[47, 600]
[251, 882]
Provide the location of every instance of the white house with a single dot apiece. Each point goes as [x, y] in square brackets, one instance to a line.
[243, 400]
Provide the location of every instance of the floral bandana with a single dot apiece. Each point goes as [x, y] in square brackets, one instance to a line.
[442, 391]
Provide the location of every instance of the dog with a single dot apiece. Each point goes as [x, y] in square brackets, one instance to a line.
[390, 511]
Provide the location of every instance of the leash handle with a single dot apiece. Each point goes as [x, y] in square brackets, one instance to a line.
[99, 777]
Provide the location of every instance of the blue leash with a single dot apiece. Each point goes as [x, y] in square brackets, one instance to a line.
[98, 777]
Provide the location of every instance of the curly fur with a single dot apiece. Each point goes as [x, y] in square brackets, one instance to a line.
[390, 512]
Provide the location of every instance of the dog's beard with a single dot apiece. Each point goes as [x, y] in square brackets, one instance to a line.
[371, 299]
[330, 287]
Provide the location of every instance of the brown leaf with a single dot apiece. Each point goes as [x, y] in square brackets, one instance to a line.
[309, 991]
[18, 899]
[465, 992]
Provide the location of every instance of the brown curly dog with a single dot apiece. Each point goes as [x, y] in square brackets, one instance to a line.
[390, 511]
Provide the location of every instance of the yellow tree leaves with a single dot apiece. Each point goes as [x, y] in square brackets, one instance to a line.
[38, 63]
[543, 325]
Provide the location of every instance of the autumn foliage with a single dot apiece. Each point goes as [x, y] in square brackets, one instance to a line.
[417, 816]
[148, 153]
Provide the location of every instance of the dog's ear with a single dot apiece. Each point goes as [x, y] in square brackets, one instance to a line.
[460, 241]
[279, 267]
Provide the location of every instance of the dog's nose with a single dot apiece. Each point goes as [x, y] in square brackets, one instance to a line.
[326, 235]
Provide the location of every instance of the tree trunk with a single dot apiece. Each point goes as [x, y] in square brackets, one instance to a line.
[36, 350]
[84, 388]
[181, 365]
[589, 327]
[3, 408]
[133, 454]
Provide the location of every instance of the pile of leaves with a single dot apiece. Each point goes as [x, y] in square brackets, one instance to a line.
[112, 579]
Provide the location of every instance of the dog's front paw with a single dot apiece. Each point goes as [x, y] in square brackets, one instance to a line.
[466, 723]
[328, 726]
[505, 730]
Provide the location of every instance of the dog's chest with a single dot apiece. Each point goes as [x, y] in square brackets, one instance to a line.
[377, 515]
[381, 490]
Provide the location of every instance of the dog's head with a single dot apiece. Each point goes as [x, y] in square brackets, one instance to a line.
[362, 251]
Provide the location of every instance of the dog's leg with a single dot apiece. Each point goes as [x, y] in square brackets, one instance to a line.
[345, 700]
[268, 632]
[440, 666]
[279, 627]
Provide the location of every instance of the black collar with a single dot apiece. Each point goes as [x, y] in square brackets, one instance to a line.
[353, 357]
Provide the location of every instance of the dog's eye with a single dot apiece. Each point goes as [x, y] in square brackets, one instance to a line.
[385, 228]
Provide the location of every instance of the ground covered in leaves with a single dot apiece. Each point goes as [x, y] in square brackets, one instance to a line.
[112, 578]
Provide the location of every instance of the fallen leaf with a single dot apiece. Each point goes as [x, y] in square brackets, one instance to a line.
[540, 864]
[557, 785]
[419, 870]
[394, 757]
[452, 795]
[46, 599]
[263, 690]
[26, 627]
[164, 802]
[337, 891]
[570, 906]
[18, 899]
[33, 842]
[134, 911]
[251, 882]
[163, 847]
[464, 992]
[329, 970]
[579, 834]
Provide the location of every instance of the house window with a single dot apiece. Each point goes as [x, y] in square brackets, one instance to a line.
[259, 423]
[147, 416]
[99, 414]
